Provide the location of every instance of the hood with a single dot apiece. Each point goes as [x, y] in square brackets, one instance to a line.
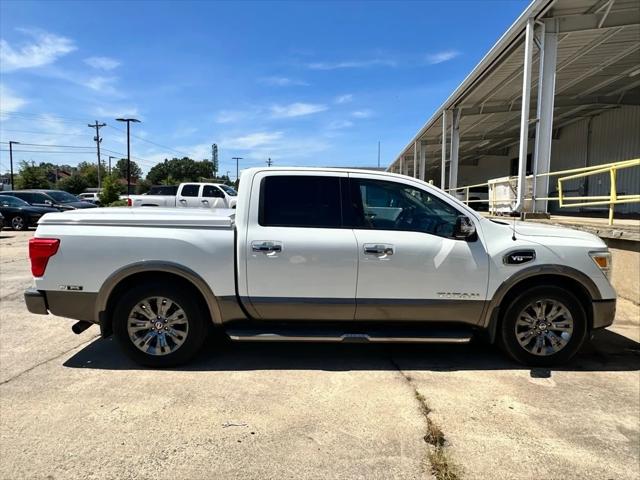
[40, 210]
[78, 204]
[532, 229]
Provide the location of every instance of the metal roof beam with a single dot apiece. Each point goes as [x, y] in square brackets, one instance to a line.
[593, 21]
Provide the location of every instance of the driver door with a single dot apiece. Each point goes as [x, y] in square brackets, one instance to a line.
[213, 197]
[410, 266]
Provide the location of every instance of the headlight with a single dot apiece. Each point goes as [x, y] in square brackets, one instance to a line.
[603, 261]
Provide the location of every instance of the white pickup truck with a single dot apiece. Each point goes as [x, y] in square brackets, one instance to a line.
[190, 195]
[322, 255]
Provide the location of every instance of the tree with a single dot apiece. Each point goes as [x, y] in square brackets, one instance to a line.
[32, 177]
[143, 186]
[110, 191]
[121, 169]
[74, 184]
[183, 169]
[90, 172]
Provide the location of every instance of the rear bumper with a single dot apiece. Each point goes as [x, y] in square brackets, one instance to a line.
[604, 311]
[76, 305]
[36, 301]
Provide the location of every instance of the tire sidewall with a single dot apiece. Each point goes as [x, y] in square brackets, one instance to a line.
[187, 301]
[25, 225]
[507, 331]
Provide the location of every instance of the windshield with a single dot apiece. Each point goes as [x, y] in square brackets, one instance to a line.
[229, 190]
[7, 201]
[62, 197]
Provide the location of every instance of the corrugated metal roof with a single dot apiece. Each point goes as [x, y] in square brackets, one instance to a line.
[597, 68]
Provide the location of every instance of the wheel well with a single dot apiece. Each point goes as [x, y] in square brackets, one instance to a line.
[142, 277]
[560, 281]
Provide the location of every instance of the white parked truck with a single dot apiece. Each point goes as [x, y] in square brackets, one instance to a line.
[322, 255]
[189, 195]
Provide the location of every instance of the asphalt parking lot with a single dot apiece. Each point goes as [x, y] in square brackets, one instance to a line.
[71, 406]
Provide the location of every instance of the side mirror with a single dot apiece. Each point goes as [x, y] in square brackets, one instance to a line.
[465, 229]
[48, 202]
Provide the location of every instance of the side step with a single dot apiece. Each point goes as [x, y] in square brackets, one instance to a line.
[386, 335]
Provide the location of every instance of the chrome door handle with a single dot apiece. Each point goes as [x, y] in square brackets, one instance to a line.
[266, 247]
[378, 249]
[205, 201]
[182, 200]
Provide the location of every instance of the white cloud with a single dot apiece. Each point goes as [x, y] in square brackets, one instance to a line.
[297, 109]
[283, 82]
[101, 84]
[344, 98]
[340, 124]
[114, 111]
[9, 101]
[441, 57]
[375, 62]
[361, 113]
[44, 49]
[251, 140]
[102, 63]
[230, 116]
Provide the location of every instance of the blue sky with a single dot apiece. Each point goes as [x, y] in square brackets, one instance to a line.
[305, 83]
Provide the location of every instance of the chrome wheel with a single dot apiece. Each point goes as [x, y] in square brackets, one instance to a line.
[544, 327]
[17, 223]
[157, 326]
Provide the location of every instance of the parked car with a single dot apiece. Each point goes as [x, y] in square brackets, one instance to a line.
[49, 198]
[91, 197]
[189, 195]
[19, 214]
[325, 255]
[1, 222]
[478, 197]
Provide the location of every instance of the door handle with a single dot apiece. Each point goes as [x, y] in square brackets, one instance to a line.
[266, 247]
[205, 201]
[378, 249]
[182, 200]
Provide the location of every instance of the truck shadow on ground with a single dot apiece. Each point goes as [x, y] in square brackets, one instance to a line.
[608, 351]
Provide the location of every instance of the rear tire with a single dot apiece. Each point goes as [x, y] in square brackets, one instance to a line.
[159, 325]
[19, 223]
[543, 326]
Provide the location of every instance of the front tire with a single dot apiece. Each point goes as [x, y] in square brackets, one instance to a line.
[544, 326]
[159, 326]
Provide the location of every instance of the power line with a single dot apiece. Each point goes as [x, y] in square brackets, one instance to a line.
[49, 145]
[149, 141]
[41, 133]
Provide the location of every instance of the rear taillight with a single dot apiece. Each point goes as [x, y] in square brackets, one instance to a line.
[40, 251]
[129, 202]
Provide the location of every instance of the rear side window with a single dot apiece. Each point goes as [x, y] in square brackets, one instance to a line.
[300, 201]
[190, 190]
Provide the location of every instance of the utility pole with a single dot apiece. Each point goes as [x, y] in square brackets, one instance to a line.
[214, 159]
[378, 153]
[237, 159]
[97, 139]
[269, 162]
[128, 120]
[11, 144]
[110, 157]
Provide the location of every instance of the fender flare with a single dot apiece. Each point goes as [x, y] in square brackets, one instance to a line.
[153, 266]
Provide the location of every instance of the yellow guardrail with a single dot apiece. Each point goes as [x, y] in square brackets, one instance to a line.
[566, 201]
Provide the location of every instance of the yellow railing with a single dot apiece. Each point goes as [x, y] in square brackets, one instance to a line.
[565, 201]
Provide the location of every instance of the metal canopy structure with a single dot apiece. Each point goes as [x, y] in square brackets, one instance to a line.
[566, 58]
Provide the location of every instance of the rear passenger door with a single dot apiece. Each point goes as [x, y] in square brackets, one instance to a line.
[188, 196]
[301, 262]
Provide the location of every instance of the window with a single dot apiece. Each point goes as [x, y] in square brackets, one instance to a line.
[190, 190]
[62, 197]
[211, 191]
[163, 190]
[383, 205]
[7, 201]
[230, 190]
[300, 201]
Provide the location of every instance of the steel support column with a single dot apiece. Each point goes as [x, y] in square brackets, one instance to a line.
[402, 164]
[423, 161]
[455, 149]
[443, 174]
[415, 159]
[524, 115]
[544, 127]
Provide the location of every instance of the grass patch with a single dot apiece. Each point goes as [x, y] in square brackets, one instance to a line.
[441, 465]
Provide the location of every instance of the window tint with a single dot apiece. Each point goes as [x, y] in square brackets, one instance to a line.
[300, 201]
[382, 205]
[190, 190]
[163, 190]
[211, 191]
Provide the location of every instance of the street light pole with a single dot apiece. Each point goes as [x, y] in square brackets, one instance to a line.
[110, 157]
[11, 144]
[128, 120]
[237, 159]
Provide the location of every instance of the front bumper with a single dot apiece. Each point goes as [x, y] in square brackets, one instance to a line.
[604, 311]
